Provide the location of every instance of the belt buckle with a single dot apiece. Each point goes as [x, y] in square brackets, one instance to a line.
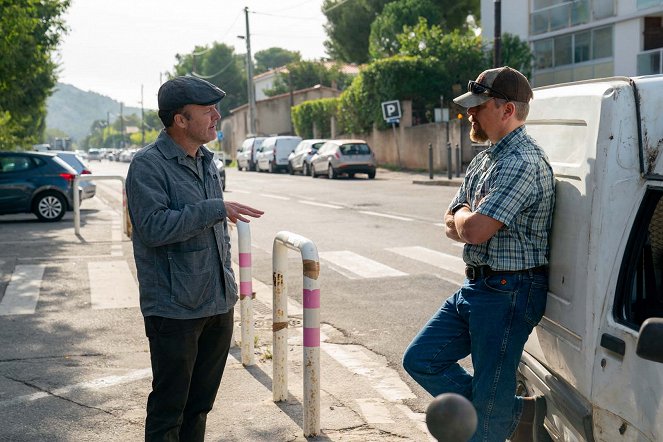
[470, 272]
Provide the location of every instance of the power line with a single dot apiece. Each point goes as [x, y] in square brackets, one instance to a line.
[205, 51]
[283, 16]
[207, 77]
[335, 6]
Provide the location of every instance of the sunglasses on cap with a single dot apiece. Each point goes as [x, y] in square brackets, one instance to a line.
[479, 89]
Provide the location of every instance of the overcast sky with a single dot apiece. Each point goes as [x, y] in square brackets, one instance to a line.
[114, 47]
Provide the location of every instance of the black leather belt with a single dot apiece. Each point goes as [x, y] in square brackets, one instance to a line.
[476, 272]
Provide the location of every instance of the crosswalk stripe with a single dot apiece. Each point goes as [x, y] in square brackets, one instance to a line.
[354, 266]
[385, 215]
[314, 203]
[112, 285]
[22, 292]
[374, 411]
[433, 257]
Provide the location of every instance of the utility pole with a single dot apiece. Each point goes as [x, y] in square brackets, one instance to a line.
[142, 118]
[497, 40]
[121, 125]
[249, 80]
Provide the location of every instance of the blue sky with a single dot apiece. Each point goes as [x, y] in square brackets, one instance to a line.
[115, 47]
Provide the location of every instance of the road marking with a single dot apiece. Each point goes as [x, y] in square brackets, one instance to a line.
[364, 362]
[116, 250]
[385, 215]
[313, 203]
[22, 291]
[438, 259]
[354, 266]
[112, 285]
[374, 411]
[93, 385]
[240, 191]
[276, 197]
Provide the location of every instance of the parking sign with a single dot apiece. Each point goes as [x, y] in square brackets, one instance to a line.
[391, 110]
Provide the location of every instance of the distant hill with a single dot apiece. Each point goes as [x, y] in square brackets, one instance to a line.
[73, 110]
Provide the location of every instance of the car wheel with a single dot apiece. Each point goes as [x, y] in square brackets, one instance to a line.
[291, 169]
[306, 170]
[50, 206]
[271, 167]
[331, 173]
[371, 175]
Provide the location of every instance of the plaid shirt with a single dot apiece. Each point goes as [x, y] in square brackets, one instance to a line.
[512, 182]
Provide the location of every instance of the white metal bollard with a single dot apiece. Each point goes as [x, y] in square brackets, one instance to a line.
[311, 300]
[77, 200]
[246, 295]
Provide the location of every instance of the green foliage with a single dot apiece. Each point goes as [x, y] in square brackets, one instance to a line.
[349, 23]
[397, 78]
[517, 54]
[305, 74]
[273, 58]
[219, 65]
[383, 40]
[318, 112]
[30, 31]
[348, 28]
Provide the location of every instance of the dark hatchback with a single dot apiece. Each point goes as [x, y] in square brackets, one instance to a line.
[35, 182]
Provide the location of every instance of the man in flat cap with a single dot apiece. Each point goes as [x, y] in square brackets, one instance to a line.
[503, 214]
[182, 252]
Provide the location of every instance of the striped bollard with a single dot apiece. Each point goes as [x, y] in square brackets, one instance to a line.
[311, 300]
[246, 293]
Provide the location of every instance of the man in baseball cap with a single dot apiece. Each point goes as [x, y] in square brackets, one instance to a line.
[182, 252]
[502, 213]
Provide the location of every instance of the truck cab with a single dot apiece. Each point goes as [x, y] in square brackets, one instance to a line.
[604, 139]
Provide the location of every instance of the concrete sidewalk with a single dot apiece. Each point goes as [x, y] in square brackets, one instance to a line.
[362, 399]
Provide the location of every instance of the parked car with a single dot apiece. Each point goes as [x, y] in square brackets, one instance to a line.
[94, 154]
[246, 153]
[337, 157]
[86, 188]
[300, 159]
[127, 155]
[219, 161]
[35, 182]
[273, 154]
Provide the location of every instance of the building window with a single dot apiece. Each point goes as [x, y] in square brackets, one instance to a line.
[552, 15]
[579, 47]
[644, 4]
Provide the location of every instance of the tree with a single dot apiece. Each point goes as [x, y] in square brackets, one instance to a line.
[305, 74]
[348, 28]
[31, 31]
[219, 65]
[349, 23]
[382, 40]
[273, 58]
[517, 54]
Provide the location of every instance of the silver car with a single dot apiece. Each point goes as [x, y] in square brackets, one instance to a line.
[300, 159]
[87, 189]
[246, 153]
[337, 157]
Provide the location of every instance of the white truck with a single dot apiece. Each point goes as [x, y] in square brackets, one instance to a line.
[597, 353]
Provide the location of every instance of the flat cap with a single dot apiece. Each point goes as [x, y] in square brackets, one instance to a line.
[180, 91]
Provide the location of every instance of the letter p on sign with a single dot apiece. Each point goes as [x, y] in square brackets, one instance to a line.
[391, 110]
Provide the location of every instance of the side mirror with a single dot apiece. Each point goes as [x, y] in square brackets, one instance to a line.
[650, 341]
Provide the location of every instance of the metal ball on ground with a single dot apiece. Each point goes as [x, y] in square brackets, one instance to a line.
[450, 417]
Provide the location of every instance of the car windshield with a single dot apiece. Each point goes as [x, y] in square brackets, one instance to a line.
[355, 149]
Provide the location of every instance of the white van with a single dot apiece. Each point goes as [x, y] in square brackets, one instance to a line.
[246, 153]
[591, 356]
[274, 152]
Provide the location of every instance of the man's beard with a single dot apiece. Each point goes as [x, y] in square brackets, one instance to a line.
[478, 135]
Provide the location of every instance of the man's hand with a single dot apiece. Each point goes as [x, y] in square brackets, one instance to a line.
[234, 212]
[450, 227]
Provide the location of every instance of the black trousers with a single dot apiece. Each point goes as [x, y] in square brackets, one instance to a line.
[188, 358]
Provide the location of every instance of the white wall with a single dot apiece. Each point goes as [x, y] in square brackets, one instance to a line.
[627, 44]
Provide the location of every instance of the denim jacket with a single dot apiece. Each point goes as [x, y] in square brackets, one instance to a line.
[180, 234]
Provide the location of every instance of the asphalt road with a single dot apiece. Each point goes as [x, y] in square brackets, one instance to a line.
[385, 269]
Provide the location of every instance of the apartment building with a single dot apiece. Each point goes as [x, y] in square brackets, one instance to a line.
[582, 39]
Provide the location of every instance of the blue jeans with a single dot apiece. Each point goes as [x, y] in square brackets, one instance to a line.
[490, 319]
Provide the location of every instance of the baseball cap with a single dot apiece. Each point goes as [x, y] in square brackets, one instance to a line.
[180, 91]
[504, 82]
